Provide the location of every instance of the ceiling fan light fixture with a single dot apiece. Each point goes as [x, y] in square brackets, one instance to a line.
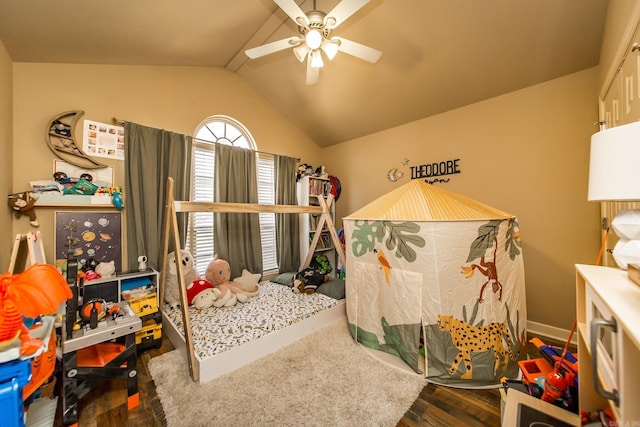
[301, 51]
[316, 59]
[313, 39]
[330, 48]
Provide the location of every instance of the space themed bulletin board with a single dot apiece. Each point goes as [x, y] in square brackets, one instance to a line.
[90, 236]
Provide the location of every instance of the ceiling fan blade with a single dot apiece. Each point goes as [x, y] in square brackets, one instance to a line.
[313, 74]
[291, 8]
[342, 11]
[272, 47]
[358, 50]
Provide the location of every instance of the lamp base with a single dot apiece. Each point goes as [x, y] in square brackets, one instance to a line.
[626, 224]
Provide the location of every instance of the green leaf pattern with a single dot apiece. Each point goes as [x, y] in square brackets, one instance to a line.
[512, 239]
[401, 237]
[484, 241]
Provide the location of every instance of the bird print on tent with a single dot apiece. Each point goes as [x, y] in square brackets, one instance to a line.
[384, 265]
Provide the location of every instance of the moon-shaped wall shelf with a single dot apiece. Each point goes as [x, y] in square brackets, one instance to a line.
[61, 139]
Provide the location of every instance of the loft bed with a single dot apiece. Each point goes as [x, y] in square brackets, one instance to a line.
[221, 346]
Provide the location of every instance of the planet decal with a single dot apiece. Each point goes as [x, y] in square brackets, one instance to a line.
[103, 222]
[88, 236]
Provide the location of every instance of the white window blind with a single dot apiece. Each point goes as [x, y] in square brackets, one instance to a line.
[200, 228]
[267, 195]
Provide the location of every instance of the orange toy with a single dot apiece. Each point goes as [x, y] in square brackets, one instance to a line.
[39, 290]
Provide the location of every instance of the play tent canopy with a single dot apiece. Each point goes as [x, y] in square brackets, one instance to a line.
[437, 279]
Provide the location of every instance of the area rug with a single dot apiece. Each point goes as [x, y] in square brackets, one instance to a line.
[324, 379]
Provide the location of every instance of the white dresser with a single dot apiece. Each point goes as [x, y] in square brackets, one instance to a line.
[608, 315]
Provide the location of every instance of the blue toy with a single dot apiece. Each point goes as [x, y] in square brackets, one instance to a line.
[117, 200]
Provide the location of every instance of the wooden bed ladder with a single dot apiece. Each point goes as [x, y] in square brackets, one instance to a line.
[171, 232]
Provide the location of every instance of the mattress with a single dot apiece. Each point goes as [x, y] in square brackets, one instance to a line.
[217, 330]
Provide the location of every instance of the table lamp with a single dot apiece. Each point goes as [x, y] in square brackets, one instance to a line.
[614, 175]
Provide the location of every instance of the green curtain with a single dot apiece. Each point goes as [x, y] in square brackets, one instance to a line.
[236, 236]
[151, 156]
[287, 225]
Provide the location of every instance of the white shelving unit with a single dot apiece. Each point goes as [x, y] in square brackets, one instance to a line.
[608, 316]
[309, 189]
[110, 288]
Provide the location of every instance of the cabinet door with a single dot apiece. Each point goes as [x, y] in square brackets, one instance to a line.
[630, 75]
[611, 104]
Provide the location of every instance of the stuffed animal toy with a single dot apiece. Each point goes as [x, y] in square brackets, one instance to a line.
[171, 290]
[201, 294]
[304, 169]
[248, 282]
[219, 273]
[90, 264]
[23, 204]
[106, 269]
[219, 278]
[308, 280]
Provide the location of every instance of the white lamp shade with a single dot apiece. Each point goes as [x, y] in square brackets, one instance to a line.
[301, 51]
[316, 59]
[614, 169]
[330, 48]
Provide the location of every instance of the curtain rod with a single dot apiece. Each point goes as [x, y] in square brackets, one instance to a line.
[119, 122]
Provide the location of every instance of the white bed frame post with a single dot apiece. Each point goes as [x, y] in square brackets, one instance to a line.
[171, 230]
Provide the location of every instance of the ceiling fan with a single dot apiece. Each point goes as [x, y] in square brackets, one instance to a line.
[315, 40]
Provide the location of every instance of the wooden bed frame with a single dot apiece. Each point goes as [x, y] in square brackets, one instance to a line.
[235, 358]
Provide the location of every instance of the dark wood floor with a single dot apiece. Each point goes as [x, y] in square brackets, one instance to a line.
[106, 404]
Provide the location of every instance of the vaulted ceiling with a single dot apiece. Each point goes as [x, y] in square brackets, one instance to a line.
[437, 55]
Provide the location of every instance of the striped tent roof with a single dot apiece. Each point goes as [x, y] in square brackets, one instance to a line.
[419, 201]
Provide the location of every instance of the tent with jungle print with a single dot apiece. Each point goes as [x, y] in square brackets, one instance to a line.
[437, 279]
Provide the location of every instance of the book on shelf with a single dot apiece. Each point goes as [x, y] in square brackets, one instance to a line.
[324, 242]
[319, 187]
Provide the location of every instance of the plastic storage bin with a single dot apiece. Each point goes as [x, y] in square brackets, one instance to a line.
[14, 376]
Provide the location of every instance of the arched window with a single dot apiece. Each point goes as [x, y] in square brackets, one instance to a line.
[226, 130]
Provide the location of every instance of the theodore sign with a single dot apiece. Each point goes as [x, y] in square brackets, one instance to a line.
[432, 170]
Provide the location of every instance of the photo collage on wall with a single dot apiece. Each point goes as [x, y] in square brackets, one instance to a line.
[103, 140]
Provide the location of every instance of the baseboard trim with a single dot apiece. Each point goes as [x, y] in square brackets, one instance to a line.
[551, 332]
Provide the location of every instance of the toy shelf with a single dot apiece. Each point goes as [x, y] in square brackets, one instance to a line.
[74, 200]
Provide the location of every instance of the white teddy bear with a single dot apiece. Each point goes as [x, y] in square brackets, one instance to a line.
[171, 290]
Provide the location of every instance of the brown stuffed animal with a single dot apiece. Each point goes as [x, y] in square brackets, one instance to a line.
[23, 204]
